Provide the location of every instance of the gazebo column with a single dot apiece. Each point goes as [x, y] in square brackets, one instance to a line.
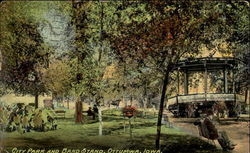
[205, 81]
[178, 81]
[234, 88]
[178, 85]
[225, 80]
[233, 81]
[185, 82]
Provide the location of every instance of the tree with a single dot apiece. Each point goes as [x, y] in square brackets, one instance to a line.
[23, 53]
[239, 25]
[79, 23]
[22, 47]
[90, 51]
[57, 78]
[176, 30]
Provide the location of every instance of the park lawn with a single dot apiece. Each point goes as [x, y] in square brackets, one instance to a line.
[80, 136]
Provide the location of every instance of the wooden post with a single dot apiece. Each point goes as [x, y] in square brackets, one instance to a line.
[233, 82]
[234, 92]
[205, 81]
[178, 82]
[36, 100]
[225, 80]
[186, 82]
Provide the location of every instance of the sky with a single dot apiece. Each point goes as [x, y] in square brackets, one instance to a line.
[56, 30]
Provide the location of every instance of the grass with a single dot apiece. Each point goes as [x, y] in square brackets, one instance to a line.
[79, 136]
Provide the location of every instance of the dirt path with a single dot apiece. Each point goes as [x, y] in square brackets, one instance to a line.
[238, 131]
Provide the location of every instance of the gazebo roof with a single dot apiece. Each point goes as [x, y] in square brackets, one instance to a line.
[214, 63]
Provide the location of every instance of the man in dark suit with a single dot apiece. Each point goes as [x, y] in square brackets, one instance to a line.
[208, 130]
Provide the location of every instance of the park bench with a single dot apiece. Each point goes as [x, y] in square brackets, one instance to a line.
[60, 113]
[85, 113]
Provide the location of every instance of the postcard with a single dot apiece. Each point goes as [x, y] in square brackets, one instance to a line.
[124, 76]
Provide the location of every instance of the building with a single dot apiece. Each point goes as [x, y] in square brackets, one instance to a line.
[205, 83]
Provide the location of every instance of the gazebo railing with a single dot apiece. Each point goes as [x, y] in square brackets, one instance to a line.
[204, 97]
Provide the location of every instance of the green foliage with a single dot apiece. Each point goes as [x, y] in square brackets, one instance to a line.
[23, 52]
[176, 30]
[89, 85]
[57, 77]
[3, 90]
[147, 38]
[240, 42]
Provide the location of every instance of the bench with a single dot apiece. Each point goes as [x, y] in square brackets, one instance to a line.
[92, 114]
[60, 113]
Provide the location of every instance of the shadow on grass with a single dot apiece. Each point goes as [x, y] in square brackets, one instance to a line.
[191, 121]
[48, 143]
[187, 144]
[119, 127]
[170, 144]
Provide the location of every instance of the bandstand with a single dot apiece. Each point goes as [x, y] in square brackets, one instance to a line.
[191, 103]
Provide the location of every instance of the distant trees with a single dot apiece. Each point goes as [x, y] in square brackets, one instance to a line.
[57, 78]
[239, 21]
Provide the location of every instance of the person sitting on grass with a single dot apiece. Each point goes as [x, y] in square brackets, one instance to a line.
[208, 130]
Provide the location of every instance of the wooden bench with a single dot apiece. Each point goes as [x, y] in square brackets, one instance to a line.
[60, 113]
[85, 113]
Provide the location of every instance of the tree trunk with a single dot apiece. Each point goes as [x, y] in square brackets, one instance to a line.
[145, 102]
[36, 100]
[130, 129]
[164, 87]
[124, 123]
[78, 113]
[131, 100]
[68, 103]
[54, 103]
[100, 120]
[118, 104]
[246, 96]
[145, 96]
[125, 101]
